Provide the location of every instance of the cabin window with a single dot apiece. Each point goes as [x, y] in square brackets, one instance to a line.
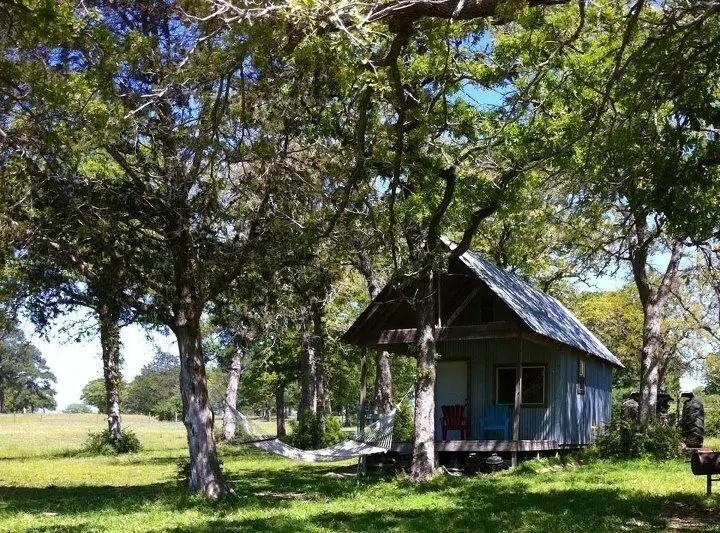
[533, 385]
[486, 309]
[581, 376]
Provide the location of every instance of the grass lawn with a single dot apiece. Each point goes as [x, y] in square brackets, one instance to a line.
[45, 486]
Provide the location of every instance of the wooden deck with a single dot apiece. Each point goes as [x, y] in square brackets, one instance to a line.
[486, 446]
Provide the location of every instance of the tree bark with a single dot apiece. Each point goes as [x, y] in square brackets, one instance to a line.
[308, 372]
[382, 399]
[110, 341]
[383, 383]
[318, 340]
[423, 463]
[280, 409]
[650, 364]
[205, 475]
[234, 375]
[654, 302]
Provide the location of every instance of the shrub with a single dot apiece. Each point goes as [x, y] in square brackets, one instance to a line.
[100, 443]
[333, 432]
[77, 408]
[625, 438]
[712, 423]
[404, 427]
[312, 431]
[306, 432]
[168, 410]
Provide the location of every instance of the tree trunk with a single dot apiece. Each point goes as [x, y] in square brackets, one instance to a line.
[2, 400]
[318, 340]
[383, 377]
[205, 475]
[383, 383]
[110, 342]
[308, 372]
[654, 303]
[280, 409]
[423, 463]
[650, 363]
[236, 369]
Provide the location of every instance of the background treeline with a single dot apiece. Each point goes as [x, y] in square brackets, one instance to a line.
[26, 383]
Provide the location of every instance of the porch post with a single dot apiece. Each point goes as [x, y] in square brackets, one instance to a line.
[518, 401]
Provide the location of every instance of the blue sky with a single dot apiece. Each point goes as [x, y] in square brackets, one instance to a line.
[76, 363]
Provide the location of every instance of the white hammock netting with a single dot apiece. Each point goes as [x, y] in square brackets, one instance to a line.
[375, 438]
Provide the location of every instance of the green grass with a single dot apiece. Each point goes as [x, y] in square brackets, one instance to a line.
[46, 486]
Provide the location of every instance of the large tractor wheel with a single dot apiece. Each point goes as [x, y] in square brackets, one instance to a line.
[693, 421]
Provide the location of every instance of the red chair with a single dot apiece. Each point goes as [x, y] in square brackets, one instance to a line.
[454, 417]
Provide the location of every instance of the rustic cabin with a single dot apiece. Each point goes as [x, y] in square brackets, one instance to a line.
[517, 371]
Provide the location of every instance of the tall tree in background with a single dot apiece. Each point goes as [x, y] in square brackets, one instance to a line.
[234, 326]
[25, 380]
[67, 255]
[363, 243]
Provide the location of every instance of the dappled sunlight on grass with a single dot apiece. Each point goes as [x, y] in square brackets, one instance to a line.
[46, 489]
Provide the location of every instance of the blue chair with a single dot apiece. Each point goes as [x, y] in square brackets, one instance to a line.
[496, 418]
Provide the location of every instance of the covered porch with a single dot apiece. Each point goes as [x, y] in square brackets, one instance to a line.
[484, 446]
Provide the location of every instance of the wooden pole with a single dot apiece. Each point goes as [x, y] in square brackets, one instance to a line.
[361, 409]
[518, 401]
[439, 305]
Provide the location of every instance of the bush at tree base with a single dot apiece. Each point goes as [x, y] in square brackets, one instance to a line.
[100, 443]
[404, 426]
[313, 431]
[625, 438]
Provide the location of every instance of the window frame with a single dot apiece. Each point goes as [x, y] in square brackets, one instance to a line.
[581, 376]
[543, 366]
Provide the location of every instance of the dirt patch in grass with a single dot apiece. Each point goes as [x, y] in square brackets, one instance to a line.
[683, 516]
[301, 496]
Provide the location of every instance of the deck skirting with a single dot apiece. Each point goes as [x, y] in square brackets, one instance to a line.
[487, 446]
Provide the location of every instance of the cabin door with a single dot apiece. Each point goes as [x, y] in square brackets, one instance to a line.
[451, 388]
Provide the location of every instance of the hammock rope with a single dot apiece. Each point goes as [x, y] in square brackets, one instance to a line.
[373, 439]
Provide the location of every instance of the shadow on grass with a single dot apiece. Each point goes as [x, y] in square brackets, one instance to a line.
[125, 458]
[60, 454]
[492, 509]
[256, 489]
[468, 504]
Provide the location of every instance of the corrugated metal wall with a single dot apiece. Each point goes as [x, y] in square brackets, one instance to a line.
[568, 417]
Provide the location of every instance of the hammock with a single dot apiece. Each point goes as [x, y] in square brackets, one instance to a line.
[375, 438]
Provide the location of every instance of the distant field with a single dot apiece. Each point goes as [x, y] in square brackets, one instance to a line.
[45, 486]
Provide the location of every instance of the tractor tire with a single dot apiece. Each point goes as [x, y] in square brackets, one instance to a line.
[693, 423]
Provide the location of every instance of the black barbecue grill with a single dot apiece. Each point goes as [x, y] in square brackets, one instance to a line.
[706, 463]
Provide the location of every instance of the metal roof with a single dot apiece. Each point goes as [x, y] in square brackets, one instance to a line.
[540, 312]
